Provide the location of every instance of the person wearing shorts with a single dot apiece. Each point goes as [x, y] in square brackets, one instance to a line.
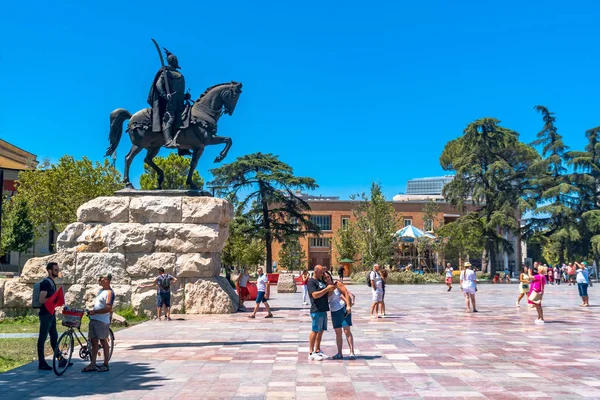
[318, 291]
[468, 284]
[523, 284]
[264, 291]
[100, 317]
[341, 315]
[376, 290]
[244, 294]
[163, 284]
[449, 276]
[583, 280]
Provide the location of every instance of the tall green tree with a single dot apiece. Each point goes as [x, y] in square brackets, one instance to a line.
[493, 173]
[291, 255]
[345, 242]
[462, 238]
[54, 192]
[18, 233]
[175, 168]
[587, 178]
[241, 249]
[431, 211]
[553, 196]
[269, 188]
[376, 223]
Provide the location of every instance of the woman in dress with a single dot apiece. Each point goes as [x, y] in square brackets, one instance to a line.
[523, 284]
[340, 303]
[468, 284]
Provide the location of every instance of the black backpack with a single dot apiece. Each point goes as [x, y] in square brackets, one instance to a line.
[165, 282]
[369, 278]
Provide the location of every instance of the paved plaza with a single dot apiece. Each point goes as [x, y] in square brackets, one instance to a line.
[428, 347]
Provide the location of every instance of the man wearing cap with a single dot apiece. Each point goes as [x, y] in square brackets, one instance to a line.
[100, 317]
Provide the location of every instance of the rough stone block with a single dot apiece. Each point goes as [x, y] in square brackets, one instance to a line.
[190, 238]
[129, 238]
[35, 268]
[286, 284]
[90, 265]
[198, 265]
[147, 209]
[67, 240]
[210, 296]
[17, 294]
[146, 265]
[105, 209]
[206, 210]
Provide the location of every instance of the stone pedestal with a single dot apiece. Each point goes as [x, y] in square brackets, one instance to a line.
[286, 284]
[131, 236]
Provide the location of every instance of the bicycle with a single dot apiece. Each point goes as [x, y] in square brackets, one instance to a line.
[65, 345]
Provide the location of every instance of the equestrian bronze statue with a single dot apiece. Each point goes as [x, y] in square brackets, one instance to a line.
[193, 127]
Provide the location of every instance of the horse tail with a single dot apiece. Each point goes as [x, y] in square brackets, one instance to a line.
[117, 118]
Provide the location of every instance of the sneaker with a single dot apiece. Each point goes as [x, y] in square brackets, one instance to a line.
[449, 289]
[63, 362]
[539, 321]
[44, 367]
[518, 304]
[312, 356]
[322, 355]
[352, 357]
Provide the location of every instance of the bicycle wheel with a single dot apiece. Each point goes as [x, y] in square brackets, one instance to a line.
[63, 352]
[111, 344]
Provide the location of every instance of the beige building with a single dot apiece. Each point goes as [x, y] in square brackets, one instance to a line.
[12, 161]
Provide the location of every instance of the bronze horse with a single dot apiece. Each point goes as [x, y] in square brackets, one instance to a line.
[199, 130]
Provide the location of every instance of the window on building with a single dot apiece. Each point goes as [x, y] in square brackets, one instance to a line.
[322, 221]
[345, 222]
[319, 242]
[428, 225]
[407, 222]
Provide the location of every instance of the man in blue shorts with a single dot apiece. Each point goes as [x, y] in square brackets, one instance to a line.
[163, 292]
[263, 293]
[319, 306]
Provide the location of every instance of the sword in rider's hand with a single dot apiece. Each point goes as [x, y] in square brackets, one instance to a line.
[164, 69]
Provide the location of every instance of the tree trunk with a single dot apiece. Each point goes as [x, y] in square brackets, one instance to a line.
[267, 227]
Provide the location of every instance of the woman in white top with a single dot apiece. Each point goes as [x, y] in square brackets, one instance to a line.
[523, 284]
[468, 284]
[340, 302]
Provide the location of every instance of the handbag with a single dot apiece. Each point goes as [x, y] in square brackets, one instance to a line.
[535, 297]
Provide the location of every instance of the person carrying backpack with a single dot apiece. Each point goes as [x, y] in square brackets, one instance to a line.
[163, 292]
[41, 292]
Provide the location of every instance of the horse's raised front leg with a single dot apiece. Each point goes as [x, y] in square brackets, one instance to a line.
[134, 151]
[152, 152]
[220, 140]
[196, 153]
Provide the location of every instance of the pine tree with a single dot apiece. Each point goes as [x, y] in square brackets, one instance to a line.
[492, 172]
[275, 211]
[554, 198]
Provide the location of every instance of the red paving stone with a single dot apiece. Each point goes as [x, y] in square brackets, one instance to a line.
[428, 348]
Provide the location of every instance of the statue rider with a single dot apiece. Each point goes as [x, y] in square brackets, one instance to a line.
[168, 100]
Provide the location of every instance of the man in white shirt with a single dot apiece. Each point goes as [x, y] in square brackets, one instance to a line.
[100, 317]
[264, 291]
[377, 290]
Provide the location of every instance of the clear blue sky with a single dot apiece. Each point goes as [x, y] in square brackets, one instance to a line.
[347, 93]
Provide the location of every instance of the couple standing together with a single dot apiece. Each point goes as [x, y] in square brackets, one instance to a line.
[328, 295]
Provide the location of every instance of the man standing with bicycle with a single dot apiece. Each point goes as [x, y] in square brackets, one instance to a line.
[100, 317]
